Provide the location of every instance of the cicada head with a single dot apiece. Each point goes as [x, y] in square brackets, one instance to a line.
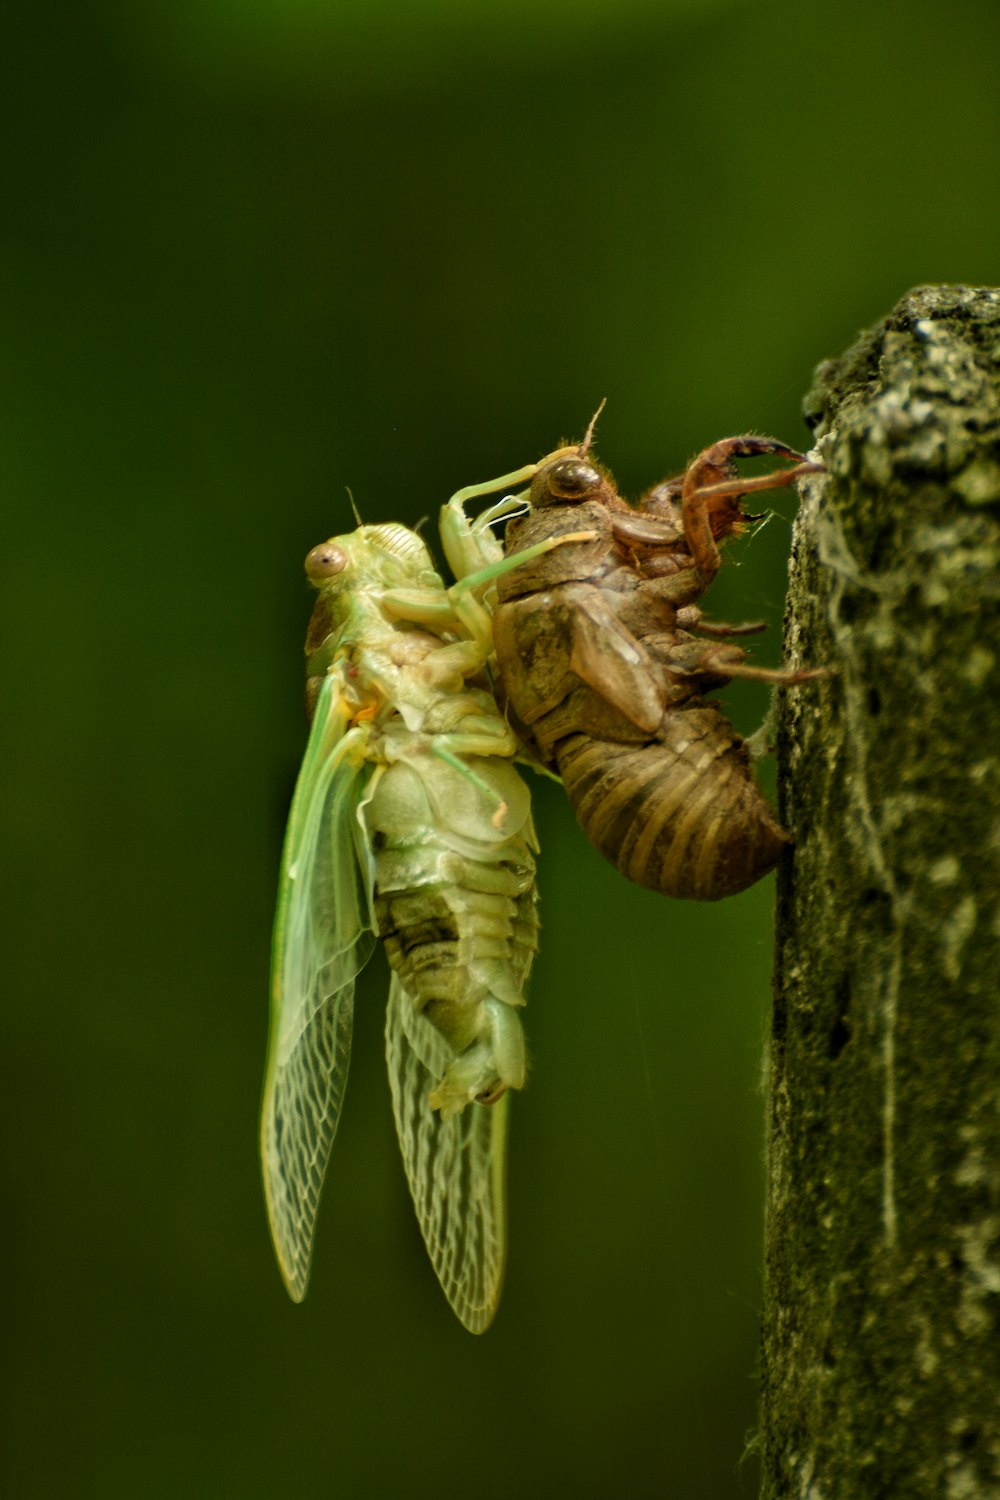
[351, 573]
[567, 477]
[373, 556]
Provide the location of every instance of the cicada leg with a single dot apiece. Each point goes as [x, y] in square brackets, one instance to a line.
[719, 630]
[710, 477]
[471, 545]
[440, 612]
[693, 659]
[459, 608]
[473, 581]
[453, 748]
[715, 661]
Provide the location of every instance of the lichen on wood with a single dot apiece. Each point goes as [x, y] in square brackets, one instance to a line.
[881, 1352]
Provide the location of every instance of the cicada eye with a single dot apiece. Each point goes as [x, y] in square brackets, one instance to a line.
[325, 561]
[572, 479]
[492, 1096]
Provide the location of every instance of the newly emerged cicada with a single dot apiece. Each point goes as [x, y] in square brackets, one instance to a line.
[410, 823]
[605, 665]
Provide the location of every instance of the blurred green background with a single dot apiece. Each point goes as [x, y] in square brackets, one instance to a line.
[254, 252]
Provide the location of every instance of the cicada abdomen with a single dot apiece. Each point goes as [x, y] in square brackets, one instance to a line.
[455, 906]
[681, 814]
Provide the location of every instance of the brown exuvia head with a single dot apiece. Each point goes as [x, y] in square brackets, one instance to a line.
[566, 481]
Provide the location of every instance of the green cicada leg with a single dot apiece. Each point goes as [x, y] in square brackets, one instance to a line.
[440, 612]
[524, 475]
[451, 747]
[459, 605]
[474, 581]
[470, 544]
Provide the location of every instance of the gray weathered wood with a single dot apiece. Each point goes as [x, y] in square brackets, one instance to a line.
[881, 1355]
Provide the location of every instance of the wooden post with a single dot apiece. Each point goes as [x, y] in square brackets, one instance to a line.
[881, 1352]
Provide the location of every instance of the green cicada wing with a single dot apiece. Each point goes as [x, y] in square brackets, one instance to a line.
[456, 1168]
[324, 934]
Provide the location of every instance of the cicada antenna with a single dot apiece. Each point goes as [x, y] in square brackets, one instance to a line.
[588, 436]
[357, 513]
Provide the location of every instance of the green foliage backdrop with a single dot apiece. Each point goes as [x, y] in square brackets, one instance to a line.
[252, 254]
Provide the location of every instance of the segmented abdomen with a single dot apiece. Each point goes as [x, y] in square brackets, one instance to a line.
[455, 905]
[681, 814]
[454, 929]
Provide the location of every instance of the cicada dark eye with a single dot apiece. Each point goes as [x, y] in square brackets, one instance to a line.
[492, 1096]
[325, 561]
[572, 479]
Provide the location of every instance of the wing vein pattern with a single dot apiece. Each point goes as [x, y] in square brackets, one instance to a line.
[324, 934]
[455, 1167]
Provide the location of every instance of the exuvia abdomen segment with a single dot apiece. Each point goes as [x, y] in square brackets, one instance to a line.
[681, 813]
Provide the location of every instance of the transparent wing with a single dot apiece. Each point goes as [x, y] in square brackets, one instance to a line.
[456, 1168]
[324, 933]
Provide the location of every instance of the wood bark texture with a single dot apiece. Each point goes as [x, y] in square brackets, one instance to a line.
[881, 1351]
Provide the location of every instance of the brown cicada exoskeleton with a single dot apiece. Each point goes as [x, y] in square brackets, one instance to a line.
[605, 665]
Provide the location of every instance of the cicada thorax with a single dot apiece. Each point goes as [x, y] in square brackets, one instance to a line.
[455, 906]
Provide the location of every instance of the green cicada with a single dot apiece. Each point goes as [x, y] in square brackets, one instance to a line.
[410, 823]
